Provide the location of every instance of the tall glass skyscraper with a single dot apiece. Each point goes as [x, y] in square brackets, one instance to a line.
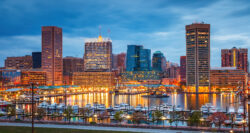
[138, 59]
[159, 61]
[198, 57]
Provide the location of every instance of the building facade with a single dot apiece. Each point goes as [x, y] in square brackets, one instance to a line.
[52, 61]
[21, 62]
[235, 58]
[119, 62]
[95, 81]
[159, 61]
[36, 60]
[140, 76]
[9, 78]
[37, 77]
[197, 57]
[183, 69]
[227, 78]
[71, 65]
[98, 54]
[138, 59]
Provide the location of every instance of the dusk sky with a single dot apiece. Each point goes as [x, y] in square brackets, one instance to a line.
[159, 25]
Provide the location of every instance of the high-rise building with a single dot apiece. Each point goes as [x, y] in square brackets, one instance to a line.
[21, 62]
[235, 58]
[183, 69]
[52, 61]
[71, 65]
[119, 62]
[33, 76]
[36, 59]
[98, 55]
[198, 57]
[138, 59]
[159, 61]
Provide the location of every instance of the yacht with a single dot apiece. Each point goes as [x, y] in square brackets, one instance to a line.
[138, 107]
[212, 109]
[116, 108]
[231, 110]
[123, 106]
[4, 103]
[43, 105]
[110, 108]
[178, 108]
[101, 107]
[204, 109]
[60, 106]
[241, 110]
[88, 106]
[52, 106]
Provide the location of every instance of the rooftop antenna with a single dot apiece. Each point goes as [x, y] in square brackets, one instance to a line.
[108, 33]
[100, 30]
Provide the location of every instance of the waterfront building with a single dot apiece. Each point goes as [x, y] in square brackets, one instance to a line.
[36, 60]
[235, 58]
[36, 76]
[20, 62]
[140, 75]
[52, 61]
[138, 59]
[227, 78]
[172, 70]
[98, 55]
[119, 62]
[197, 57]
[9, 78]
[70, 65]
[95, 81]
[159, 61]
[183, 69]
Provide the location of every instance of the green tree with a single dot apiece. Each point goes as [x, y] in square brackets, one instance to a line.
[40, 113]
[194, 118]
[11, 112]
[156, 116]
[118, 116]
[138, 117]
[68, 112]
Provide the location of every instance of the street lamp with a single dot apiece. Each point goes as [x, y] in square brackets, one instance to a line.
[163, 118]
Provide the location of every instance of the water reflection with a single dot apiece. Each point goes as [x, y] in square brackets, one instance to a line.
[186, 101]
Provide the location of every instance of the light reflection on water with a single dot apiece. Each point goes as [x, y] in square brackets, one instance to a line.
[186, 101]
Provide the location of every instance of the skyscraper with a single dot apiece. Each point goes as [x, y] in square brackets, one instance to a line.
[198, 57]
[98, 54]
[119, 62]
[138, 59]
[159, 61]
[36, 59]
[183, 69]
[235, 58]
[52, 61]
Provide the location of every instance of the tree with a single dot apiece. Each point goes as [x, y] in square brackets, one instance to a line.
[194, 118]
[118, 116]
[68, 112]
[40, 113]
[138, 117]
[156, 116]
[11, 112]
[103, 116]
[175, 117]
[218, 118]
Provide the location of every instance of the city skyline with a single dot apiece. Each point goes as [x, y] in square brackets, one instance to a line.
[166, 30]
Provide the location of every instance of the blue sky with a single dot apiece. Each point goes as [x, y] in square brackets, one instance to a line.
[156, 24]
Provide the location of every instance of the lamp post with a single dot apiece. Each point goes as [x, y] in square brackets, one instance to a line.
[32, 107]
[163, 118]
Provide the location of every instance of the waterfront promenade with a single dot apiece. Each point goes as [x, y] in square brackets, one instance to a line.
[117, 127]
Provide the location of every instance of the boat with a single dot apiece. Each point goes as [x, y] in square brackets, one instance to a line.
[43, 105]
[88, 106]
[144, 109]
[212, 109]
[117, 108]
[101, 107]
[228, 122]
[3, 113]
[75, 107]
[123, 106]
[52, 106]
[231, 110]
[60, 106]
[138, 107]
[4, 103]
[110, 108]
[204, 109]
[178, 108]
[241, 110]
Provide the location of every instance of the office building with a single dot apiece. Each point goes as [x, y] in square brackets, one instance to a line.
[235, 58]
[36, 60]
[38, 77]
[197, 57]
[183, 69]
[159, 61]
[71, 65]
[119, 62]
[52, 61]
[20, 62]
[98, 55]
[138, 59]
[227, 78]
